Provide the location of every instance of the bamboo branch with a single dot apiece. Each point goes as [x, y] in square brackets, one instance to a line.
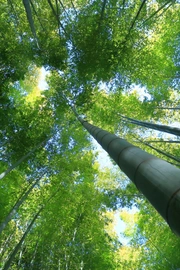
[157, 11]
[56, 16]
[136, 17]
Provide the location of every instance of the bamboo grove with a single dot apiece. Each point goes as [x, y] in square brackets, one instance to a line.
[114, 64]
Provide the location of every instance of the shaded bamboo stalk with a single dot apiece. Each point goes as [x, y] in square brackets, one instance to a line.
[18, 246]
[20, 201]
[30, 19]
[160, 151]
[16, 164]
[16, 249]
[163, 128]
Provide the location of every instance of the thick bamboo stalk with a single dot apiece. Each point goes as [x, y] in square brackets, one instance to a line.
[158, 180]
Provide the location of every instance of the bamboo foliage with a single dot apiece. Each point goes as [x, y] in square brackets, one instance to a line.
[98, 54]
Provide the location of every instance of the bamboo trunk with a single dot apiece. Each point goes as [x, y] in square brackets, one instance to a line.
[158, 180]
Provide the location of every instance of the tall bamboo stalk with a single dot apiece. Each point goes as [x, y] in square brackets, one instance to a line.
[158, 180]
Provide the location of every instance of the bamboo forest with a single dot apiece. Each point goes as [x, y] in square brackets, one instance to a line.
[71, 70]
